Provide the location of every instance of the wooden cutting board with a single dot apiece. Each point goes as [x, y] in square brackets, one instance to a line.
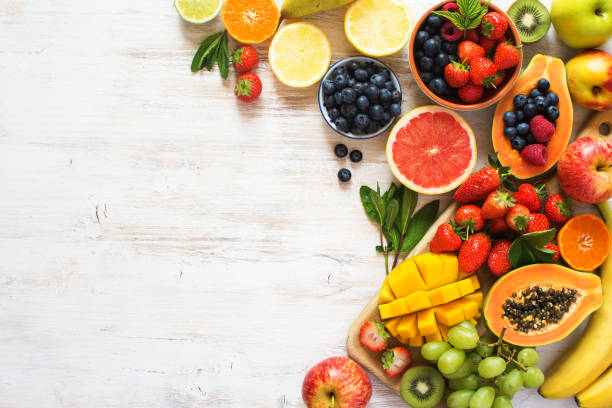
[599, 125]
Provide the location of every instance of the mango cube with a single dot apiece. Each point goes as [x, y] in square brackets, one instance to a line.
[392, 324]
[444, 294]
[416, 341]
[386, 294]
[449, 314]
[450, 267]
[405, 279]
[426, 321]
[437, 336]
[430, 266]
[443, 331]
[407, 327]
[475, 297]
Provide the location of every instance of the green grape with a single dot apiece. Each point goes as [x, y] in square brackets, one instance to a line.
[465, 383]
[502, 402]
[482, 398]
[485, 351]
[512, 382]
[491, 367]
[475, 359]
[533, 377]
[528, 357]
[451, 360]
[463, 338]
[459, 399]
[463, 371]
[433, 350]
[467, 325]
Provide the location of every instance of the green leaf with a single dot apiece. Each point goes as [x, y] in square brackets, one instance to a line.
[379, 206]
[365, 193]
[455, 18]
[543, 255]
[520, 253]
[540, 238]
[198, 59]
[391, 212]
[394, 238]
[379, 249]
[209, 61]
[390, 193]
[409, 202]
[475, 22]
[469, 8]
[223, 57]
[420, 223]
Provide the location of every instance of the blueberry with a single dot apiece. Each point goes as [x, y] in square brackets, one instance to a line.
[529, 139]
[434, 21]
[344, 175]
[363, 103]
[431, 47]
[329, 87]
[356, 156]
[540, 103]
[356, 131]
[384, 97]
[449, 47]
[509, 118]
[530, 110]
[431, 31]
[420, 38]
[341, 81]
[396, 96]
[510, 132]
[341, 150]
[441, 59]
[552, 99]
[370, 70]
[330, 102]
[333, 113]
[426, 77]
[519, 101]
[389, 85]
[535, 92]
[349, 110]
[348, 95]
[418, 55]
[543, 85]
[522, 128]
[373, 126]
[361, 121]
[385, 73]
[359, 86]
[339, 71]
[338, 98]
[552, 113]
[351, 83]
[425, 64]
[361, 74]
[520, 116]
[437, 70]
[438, 86]
[529, 100]
[386, 117]
[371, 92]
[378, 80]
[352, 66]
[518, 143]
[438, 39]
[376, 112]
[342, 124]
[395, 109]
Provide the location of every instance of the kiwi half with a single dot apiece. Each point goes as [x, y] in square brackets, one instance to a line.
[531, 19]
[422, 387]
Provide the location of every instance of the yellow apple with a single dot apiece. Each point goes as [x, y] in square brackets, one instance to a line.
[582, 23]
[589, 77]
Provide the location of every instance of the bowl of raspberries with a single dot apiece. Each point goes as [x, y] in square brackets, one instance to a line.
[360, 97]
[465, 55]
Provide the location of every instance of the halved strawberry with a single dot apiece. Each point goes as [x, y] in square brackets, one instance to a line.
[373, 336]
[396, 360]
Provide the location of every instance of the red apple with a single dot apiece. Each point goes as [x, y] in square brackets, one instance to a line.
[585, 170]
[336, 382]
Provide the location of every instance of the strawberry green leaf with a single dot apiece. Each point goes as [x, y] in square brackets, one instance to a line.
[540, 238]
[420, 223]
[387, 359]
[520, 253]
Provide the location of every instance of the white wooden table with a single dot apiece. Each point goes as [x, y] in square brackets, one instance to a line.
[161, 243]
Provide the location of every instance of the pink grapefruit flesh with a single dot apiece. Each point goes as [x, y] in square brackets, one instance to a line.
[431, 150]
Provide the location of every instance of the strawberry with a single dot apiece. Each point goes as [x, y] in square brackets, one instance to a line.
[555, 248]
[469, 217]
[373, 336]
[488, 44]
[248, 87]
[493, 25]
[558, 209]
[470, 93]
[474, 252]
[537, 222]
[497, 204]
[506, 56]
[456, 74]
[518, 217]
[497, 225]
[245, 58]
[396, 360]
[468, 50]
[495, 80]
[472, 35]
[498, 261]
[445, 240]
[478, 185]
[530, 196]
[481, 69]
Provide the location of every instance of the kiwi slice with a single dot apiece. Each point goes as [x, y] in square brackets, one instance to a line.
[531, 18]
[422, 387]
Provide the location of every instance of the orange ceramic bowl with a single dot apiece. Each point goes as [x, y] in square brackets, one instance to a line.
[490, 96]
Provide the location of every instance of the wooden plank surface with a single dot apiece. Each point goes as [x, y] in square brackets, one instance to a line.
[162, 244]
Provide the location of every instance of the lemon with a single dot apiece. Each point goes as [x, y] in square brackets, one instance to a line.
[378, 27]
[198, 11]
[299, 54]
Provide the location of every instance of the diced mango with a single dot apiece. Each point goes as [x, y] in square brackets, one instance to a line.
[475, 297]
[408, 304]
[444, 294]
[443, 331]
[473, 321]
[430, 266]
[449, 314]
[405, 279]
[407, 327]
[450, 267]
[427, 322]
[392, 324]
[402, 339]
[469, 285]
[386, 294]
[419, 301]
[437, 336]
[416, 341]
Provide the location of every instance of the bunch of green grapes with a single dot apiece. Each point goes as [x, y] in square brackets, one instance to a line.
[481, 374]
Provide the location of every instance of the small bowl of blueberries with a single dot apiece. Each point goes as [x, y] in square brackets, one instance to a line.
[465, 69]
[360, 97]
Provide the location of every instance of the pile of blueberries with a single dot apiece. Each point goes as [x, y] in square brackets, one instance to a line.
[540, 101]
[432, 54]
[360, 97]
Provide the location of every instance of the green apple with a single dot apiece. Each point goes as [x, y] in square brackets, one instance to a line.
[582, 23]
[589, 78]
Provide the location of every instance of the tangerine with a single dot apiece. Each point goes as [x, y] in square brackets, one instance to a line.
[250, 21]
[584, 242]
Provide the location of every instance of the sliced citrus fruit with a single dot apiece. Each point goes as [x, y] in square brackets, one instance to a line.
[431, 150]
[250, 21]
[198, 11]
[299, 54]
[584, 242]
[378, 27]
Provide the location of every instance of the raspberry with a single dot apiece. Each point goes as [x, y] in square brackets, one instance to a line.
[450, 32]
[535, 154]
[452, 7]
[541, 129]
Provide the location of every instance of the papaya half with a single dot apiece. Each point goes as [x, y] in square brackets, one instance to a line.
[541, 303]
[553, 69]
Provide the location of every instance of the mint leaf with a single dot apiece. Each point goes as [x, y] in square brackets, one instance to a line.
[369, 207]
[520, 253]
[198, 59]
[394, 238]
[223, 57]
[379, 206]
[409, 201]
[455, 18]
[391, 212]
[390, 193]
[540, 238]
[420, 223]
[543, 255]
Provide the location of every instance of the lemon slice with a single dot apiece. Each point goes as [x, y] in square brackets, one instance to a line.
[198, 11]
[378, 27]
[299, 54]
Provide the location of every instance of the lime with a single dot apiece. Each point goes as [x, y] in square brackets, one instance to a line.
[198, 11]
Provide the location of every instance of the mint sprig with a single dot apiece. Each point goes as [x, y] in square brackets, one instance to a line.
[469, 16]
[529, 248]
[212, 49]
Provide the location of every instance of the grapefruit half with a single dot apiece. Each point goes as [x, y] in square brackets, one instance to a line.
[431, 150]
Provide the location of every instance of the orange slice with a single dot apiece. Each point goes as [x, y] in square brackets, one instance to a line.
[250, 21]
[584, 242]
